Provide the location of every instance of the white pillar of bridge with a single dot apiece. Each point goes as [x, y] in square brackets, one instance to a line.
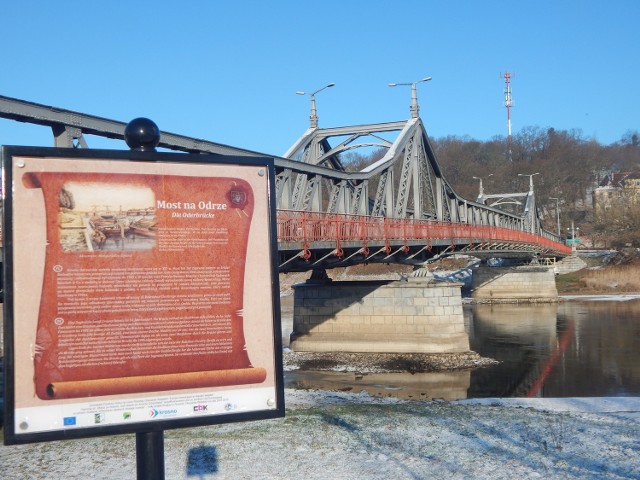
[417, 315]
[535, 284]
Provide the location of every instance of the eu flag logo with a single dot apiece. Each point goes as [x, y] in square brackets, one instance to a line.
[68, 421]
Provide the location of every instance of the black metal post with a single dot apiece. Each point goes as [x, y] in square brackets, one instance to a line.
[150, 455]
[143, 134]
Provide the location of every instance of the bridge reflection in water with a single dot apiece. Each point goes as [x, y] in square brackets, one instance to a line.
[524, 339]
[570, 349]
[407, 386]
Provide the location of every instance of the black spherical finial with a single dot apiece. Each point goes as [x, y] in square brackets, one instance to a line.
[142, 134]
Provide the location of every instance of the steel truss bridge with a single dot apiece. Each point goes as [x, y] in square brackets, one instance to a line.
[400, 209]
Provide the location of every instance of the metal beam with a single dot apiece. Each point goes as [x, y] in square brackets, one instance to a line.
[299, 184]
[29, 112]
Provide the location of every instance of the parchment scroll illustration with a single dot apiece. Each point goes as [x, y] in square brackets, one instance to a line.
[143, 284]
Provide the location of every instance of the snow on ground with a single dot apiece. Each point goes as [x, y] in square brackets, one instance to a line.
[341, 435]
[599, 298]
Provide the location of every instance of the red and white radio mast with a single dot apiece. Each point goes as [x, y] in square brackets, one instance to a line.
[508, 103]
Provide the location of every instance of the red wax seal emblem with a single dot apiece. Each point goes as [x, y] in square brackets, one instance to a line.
[237, 196]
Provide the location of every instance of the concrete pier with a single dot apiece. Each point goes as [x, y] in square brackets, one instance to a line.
[514, 284]
[410, 316]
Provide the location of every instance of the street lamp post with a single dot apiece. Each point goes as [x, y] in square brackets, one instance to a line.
[415, 108]
[313, 116]
[557, 212]
[480, 188]
[530, 179]
[574, 231]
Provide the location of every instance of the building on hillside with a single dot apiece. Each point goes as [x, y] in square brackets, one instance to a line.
[617, 190]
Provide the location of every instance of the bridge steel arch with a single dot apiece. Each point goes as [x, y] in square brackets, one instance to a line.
[400, 209]
[405, 194]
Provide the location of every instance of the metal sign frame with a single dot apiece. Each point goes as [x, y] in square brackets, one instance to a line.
[163, 167]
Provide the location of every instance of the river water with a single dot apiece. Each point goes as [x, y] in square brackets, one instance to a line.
[576, 348]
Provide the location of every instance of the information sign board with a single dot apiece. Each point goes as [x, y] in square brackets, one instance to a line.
[141, 292]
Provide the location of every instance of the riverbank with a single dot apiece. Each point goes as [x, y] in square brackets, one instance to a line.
[610, 275]
[350, 435]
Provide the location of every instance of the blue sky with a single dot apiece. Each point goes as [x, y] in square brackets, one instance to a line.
[227, 71]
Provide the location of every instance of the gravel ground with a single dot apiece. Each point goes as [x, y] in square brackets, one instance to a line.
[383, 362]
[347, 435]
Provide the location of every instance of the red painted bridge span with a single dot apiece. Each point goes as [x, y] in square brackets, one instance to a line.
[309, 240]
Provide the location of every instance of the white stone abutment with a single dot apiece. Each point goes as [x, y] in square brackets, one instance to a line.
[513, 284]
[405, 316]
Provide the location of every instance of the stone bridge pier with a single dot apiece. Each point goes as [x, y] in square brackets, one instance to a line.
[417, 315]
[513, 284]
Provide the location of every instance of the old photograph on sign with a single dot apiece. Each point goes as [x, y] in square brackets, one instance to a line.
[89, 220]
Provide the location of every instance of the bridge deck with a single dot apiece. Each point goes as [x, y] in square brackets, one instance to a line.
[308, 240]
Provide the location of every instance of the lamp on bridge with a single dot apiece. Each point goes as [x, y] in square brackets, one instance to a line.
[480, 188]
[415, 108]
[313, 117]
[530, 179]
[574, 241]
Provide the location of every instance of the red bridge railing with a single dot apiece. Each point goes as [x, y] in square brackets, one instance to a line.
[309, 227]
